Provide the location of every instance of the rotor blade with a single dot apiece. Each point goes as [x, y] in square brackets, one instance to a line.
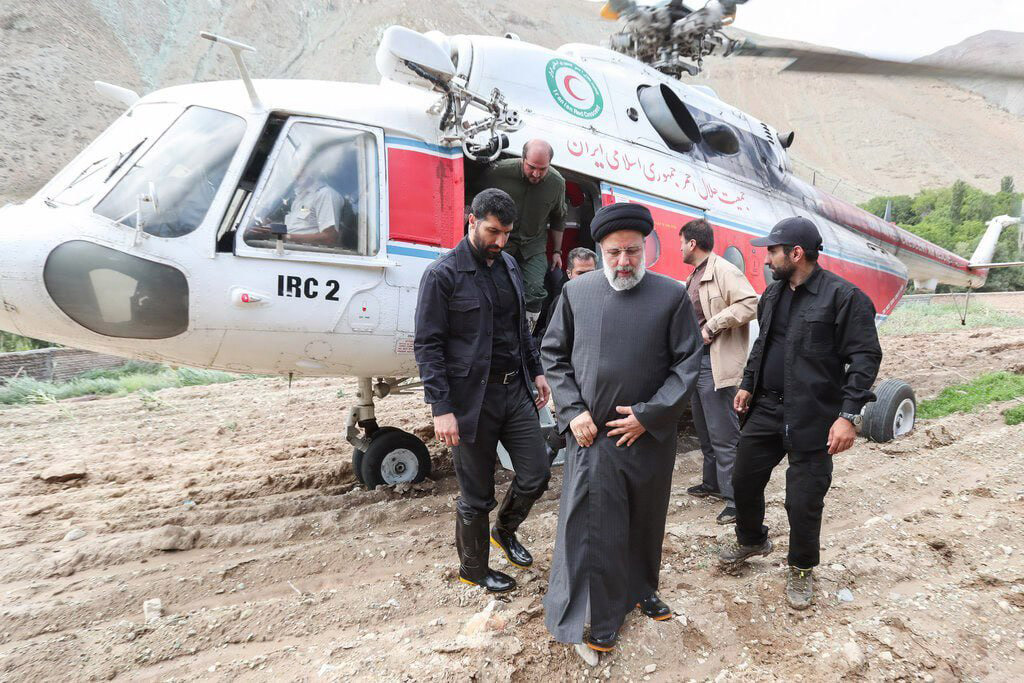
[830, 62]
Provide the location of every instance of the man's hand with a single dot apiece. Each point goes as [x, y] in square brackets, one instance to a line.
[584, 429]
[706, 335]
[556, 260]
[628, 426]
[841, 436]
[446, 429]
[742, 401]
[543, 391]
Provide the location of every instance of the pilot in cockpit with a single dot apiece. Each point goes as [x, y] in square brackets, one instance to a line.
[314, 213]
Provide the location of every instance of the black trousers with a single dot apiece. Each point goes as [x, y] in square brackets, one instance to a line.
[507, 414]
[808, 478]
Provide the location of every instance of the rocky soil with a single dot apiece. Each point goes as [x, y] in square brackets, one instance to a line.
[217, 533]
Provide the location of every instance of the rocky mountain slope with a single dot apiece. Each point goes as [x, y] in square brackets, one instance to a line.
[1001, 48]
[879, 135]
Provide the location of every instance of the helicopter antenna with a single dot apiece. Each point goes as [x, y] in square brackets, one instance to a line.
[236, 51]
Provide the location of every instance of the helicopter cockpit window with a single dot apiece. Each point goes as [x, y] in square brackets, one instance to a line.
[91, 171]
[321, 194]
[173, 184]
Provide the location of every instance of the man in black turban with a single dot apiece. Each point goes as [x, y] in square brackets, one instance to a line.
[621, 353]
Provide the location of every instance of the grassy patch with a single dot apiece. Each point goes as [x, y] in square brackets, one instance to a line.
[1015, 415]
[129, 378]
[917, 318]
[963, 398]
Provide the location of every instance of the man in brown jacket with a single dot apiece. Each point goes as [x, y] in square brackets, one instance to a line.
[724, 303]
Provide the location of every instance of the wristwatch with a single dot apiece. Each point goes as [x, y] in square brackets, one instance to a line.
[854, 418]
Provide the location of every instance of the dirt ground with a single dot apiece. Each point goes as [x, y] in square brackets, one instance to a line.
[291, 572]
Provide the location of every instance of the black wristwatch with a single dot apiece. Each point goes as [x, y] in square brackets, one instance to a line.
[854, 418]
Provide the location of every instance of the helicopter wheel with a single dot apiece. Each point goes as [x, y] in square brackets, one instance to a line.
[393, 457]
[357, 454]
[892, 414]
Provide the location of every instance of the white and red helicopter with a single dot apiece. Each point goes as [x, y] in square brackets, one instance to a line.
[144, 245]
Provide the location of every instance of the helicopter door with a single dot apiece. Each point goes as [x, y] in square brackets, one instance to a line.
[308, 268]
[320, 200]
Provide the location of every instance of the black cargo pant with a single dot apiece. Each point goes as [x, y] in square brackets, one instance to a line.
[507, 414]
[808, 478]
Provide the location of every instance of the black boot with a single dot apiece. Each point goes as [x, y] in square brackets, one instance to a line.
[601, 642]
[471, 540]
[655, 608]
[511, 514]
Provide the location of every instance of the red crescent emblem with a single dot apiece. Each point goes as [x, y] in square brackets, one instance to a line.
[568, 88]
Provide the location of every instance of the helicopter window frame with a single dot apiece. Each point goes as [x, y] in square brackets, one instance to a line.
[159, 225]
[377, 229]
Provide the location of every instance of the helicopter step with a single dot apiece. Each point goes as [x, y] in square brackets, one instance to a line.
[383, 455]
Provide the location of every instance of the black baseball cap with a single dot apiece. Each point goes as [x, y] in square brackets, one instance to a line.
[795, 231]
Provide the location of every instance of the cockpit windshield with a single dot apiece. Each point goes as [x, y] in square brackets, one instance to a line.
[179, 175]
[89, 174]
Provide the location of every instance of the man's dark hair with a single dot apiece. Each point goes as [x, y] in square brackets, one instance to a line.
[581, 254]
[700, 231]
[494, 202]
[811, 256]
[547, 146]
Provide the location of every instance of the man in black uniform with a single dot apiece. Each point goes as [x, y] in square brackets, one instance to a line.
[476, 359]
[808, 376]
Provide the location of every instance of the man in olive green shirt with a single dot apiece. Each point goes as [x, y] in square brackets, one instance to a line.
[539, 193]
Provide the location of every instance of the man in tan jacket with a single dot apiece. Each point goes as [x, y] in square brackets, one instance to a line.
[724, 303]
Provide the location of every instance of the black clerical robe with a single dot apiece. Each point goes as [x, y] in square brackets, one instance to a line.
[605, 348]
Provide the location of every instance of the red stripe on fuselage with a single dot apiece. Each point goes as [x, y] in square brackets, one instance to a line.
[426, 198]
[884, 289]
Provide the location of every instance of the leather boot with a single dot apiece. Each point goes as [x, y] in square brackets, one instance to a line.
[511, 514]
[471, 540]
[655, 608]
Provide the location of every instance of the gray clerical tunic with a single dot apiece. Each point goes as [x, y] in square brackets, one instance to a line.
[603, 348]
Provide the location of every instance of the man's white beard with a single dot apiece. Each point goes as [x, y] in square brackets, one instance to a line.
[620, 284]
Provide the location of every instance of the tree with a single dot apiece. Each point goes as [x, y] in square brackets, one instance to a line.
[1006, 184]
[956, 202]
[955, 218]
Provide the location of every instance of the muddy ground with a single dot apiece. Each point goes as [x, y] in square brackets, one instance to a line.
[292, 572]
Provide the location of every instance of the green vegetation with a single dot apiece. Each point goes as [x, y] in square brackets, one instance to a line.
[12, 342]
[954, 218]
[963, 398]
[128, 378]
[1015, 415]
[917, 318]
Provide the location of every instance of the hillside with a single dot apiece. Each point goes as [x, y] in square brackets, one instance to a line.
[1000, 48]
[881, 135]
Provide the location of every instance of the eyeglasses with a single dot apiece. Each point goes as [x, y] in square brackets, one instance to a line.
[615, 253]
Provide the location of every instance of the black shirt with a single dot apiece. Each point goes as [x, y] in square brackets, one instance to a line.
[774, 376]
[829, 354]
[499, 288]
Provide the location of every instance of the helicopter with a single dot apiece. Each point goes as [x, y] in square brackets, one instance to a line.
[172, 237]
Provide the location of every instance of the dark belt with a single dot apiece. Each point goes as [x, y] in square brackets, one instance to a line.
[769, 395]
[502, 377]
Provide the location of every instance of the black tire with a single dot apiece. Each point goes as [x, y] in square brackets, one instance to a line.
[357, 455]
[409, 461]
[357, 465]
[887, 417]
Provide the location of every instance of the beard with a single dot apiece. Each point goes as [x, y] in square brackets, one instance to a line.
[783, 272]
[492, 251]
[621, 283]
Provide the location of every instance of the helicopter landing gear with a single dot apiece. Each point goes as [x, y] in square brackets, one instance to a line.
[383, 455]
[892, 414]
